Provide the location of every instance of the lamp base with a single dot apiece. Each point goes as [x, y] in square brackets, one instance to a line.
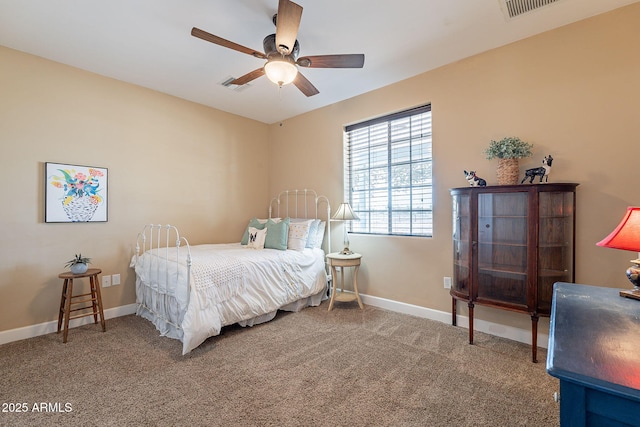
[346, 251]
[633, 274]
[631, 293]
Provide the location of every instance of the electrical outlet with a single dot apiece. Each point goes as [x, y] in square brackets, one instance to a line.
[106, 281]
[115, 279]
[447, 282]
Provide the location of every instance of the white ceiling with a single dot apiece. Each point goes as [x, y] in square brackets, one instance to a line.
[148, 42]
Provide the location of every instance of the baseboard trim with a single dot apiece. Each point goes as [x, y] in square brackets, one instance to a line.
[49, 327]
[509, 332]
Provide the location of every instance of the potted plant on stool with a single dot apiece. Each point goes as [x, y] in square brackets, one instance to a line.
[508, 150]
[78, 265]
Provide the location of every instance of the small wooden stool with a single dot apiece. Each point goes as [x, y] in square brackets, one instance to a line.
[68, 299]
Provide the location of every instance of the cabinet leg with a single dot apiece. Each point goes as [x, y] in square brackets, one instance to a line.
[534, 338]
[470, 323]
[454, 314]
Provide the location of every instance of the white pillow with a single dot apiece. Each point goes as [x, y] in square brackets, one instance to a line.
[298, 234]
[313, 230]
[256, 238]
[265, 220]
[316, 241]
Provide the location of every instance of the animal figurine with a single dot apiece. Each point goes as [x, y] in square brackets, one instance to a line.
[542, 172]
[474, 180]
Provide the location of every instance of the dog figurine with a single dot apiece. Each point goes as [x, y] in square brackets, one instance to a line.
[542, 172]
[474, 180]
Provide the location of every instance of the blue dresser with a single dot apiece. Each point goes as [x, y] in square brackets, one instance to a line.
[594, 350]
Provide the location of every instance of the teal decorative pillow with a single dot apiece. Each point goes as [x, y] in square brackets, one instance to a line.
[277, 234]
[255, 223]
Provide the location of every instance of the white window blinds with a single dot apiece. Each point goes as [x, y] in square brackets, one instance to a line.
[388, 179]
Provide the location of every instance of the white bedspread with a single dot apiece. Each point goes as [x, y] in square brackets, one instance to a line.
[229, 284]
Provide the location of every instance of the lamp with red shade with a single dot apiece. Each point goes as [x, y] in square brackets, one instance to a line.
[626, 236]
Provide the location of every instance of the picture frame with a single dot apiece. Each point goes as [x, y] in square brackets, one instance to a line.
[75, 193]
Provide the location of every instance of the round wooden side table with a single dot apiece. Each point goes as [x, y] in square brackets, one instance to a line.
[337, 259]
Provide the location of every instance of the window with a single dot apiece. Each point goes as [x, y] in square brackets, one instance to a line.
[388, 179]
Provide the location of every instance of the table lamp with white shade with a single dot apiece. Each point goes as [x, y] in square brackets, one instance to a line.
[345, 213]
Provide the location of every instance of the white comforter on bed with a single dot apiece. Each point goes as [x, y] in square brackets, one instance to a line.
[229, 284]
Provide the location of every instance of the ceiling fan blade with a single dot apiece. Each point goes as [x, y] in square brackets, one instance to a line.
[201, 34]
[287, 24]
[248, 77]
[305, 85]
[332, 61]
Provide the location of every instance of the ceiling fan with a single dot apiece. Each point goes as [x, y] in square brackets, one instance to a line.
[281, 52]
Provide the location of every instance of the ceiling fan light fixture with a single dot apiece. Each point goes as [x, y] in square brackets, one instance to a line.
[281, 51]
[281, 71]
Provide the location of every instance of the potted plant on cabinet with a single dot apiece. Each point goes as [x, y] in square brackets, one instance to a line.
[79, 264]
[508, 150]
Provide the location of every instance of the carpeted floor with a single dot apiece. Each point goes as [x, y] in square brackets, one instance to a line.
[313, 368]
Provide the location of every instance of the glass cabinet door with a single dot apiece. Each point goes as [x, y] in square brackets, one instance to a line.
[555, 240]
[502, 247]
[461, 244]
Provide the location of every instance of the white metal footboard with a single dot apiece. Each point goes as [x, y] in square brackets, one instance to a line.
[162, 240]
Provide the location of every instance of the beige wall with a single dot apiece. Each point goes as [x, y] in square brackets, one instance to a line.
[169, 161]
[573, 92]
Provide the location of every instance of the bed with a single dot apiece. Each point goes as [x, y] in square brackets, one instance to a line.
[190, 292]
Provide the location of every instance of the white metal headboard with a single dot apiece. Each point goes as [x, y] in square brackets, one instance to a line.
[302, 204]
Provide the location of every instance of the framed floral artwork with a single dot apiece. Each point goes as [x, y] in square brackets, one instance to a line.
[75, 193]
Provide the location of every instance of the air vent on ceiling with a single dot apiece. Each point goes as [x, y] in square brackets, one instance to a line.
[513, 8]
[227, 83]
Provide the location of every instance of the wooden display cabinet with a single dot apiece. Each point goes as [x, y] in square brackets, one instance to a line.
[511, 243]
